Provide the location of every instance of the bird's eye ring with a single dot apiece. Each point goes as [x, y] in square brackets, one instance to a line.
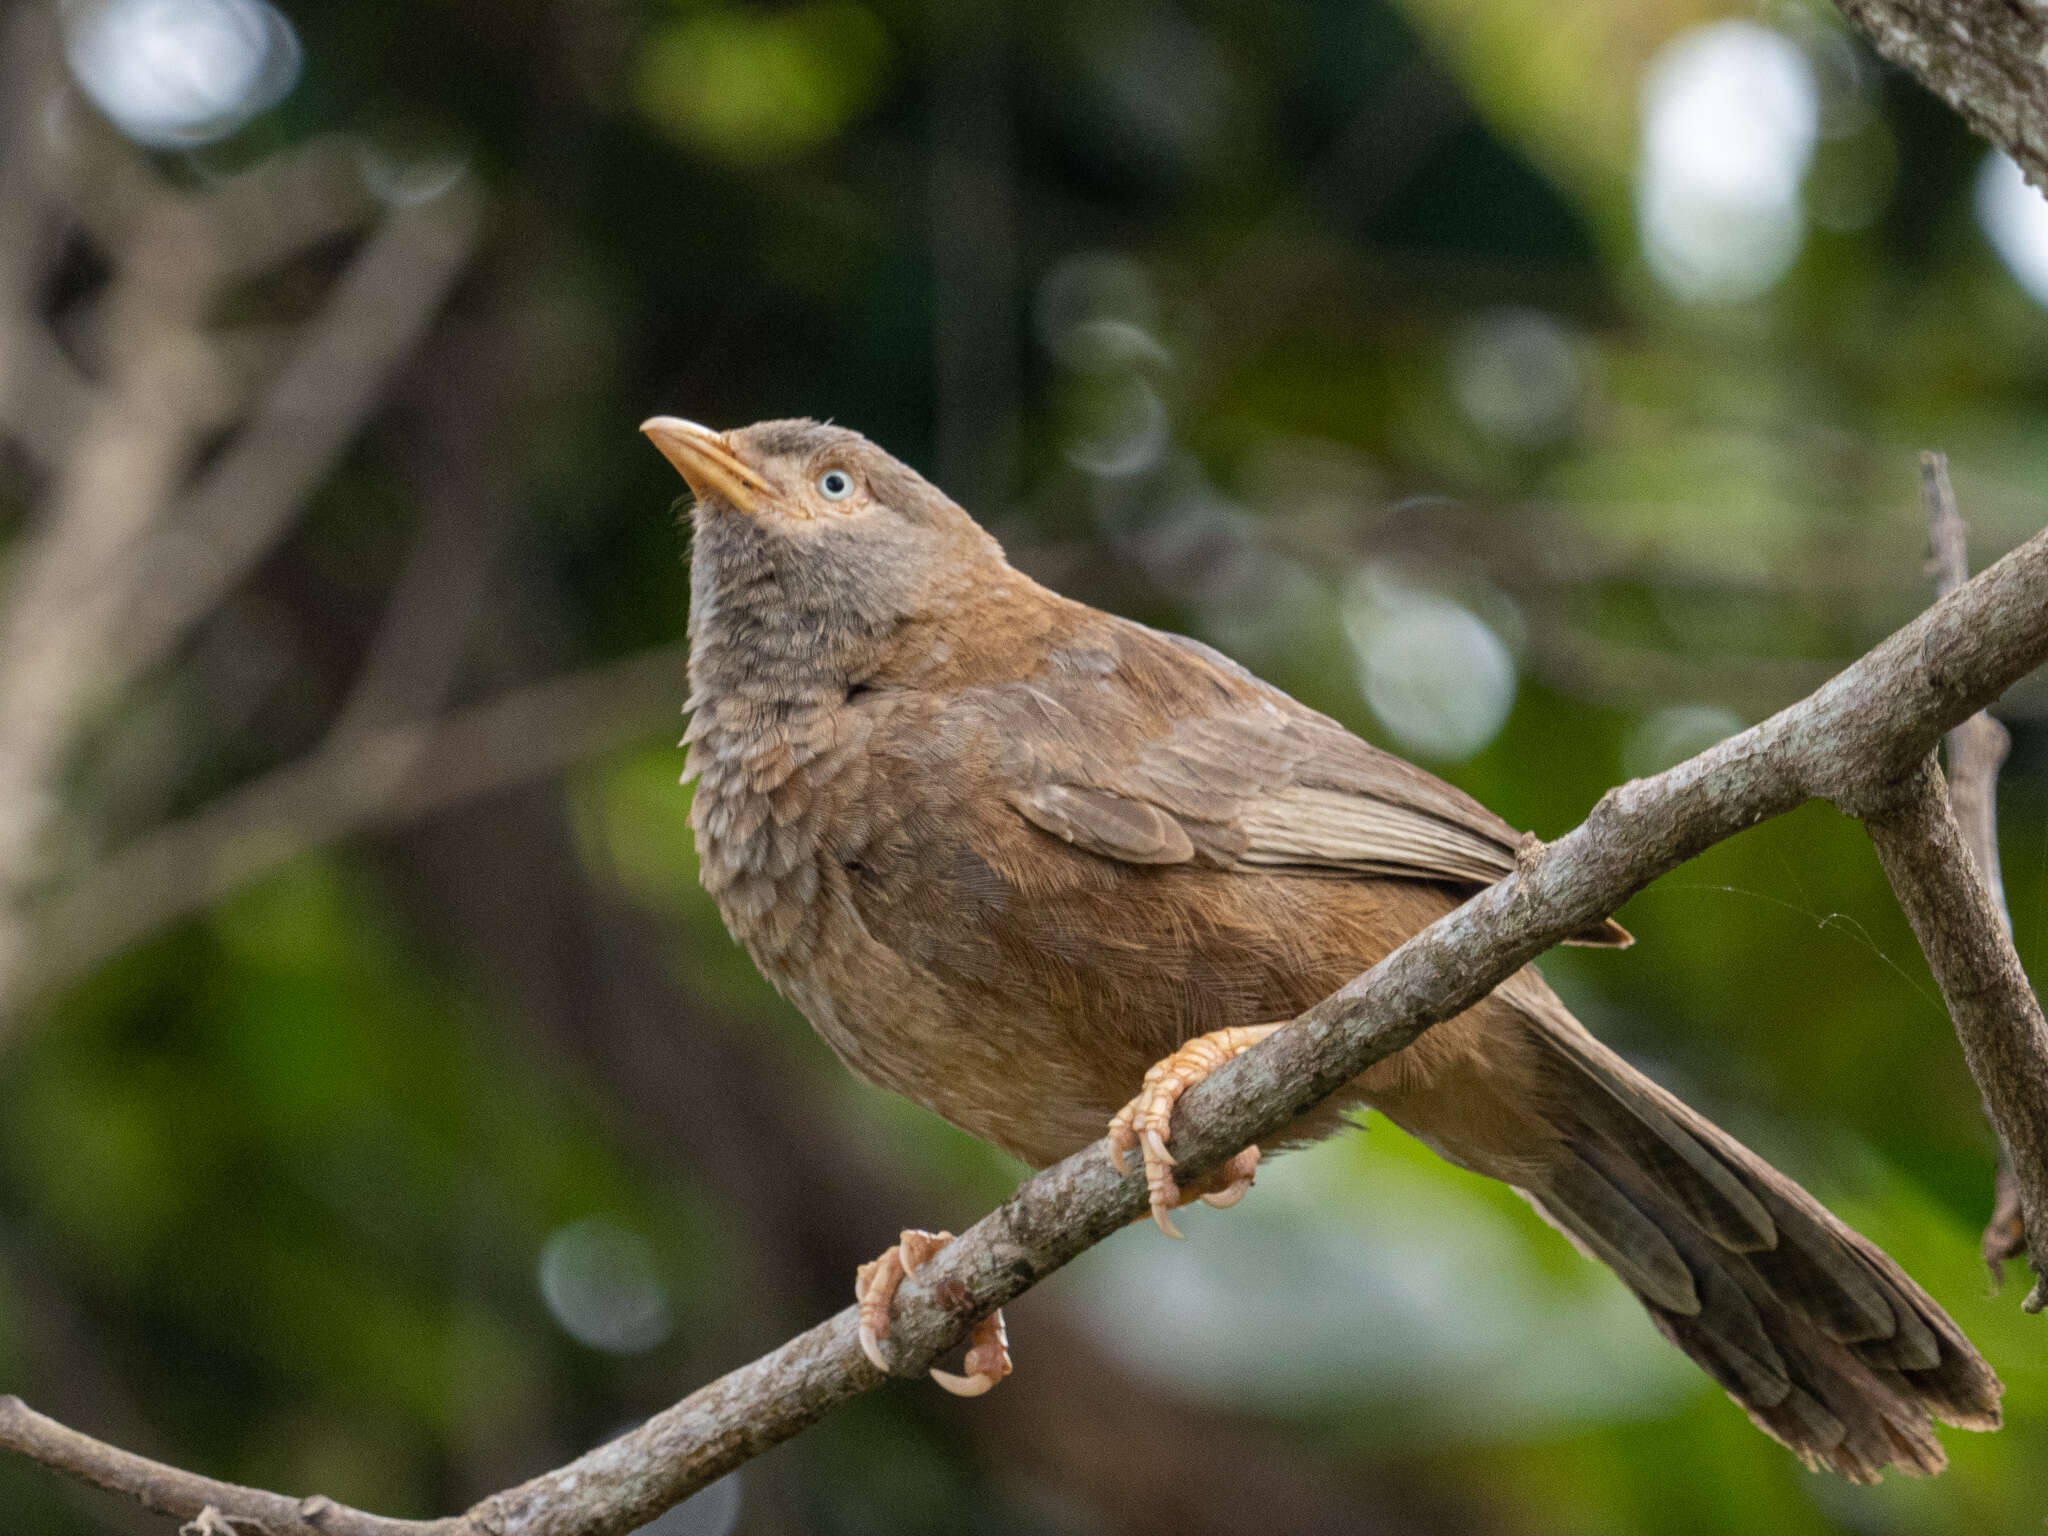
[835, 485]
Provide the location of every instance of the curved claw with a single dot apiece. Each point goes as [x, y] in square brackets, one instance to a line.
[1122, 1139]
[1145, 1123]
[987, 1362]
[963, 1386]
[1238, 1173]
[871, 1346]
[875, 1285]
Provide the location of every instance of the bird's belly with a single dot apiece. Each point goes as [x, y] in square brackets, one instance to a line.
[1001, 1070]
[1027, 1014]
[1036, 1009]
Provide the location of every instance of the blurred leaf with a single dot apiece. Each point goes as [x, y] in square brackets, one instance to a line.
[753, 86]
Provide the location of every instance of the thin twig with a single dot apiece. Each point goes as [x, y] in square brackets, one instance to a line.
[44, 400]
[61, 611]
[357, 782]
[1996, 1015]
[1977, 747]
[187, 1496]
[1976, 751]
[1857, 741]
[250, 496]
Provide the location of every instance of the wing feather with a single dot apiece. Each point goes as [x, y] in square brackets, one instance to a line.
[1154, 749]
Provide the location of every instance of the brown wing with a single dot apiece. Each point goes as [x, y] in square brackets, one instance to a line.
[1153, 749]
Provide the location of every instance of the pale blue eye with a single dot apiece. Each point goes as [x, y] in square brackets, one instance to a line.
[835, 485]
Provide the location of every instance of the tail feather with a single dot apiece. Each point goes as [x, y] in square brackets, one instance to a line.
[1616, 1232]
[1809, 1326]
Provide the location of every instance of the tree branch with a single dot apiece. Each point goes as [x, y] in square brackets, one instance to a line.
[1976, 751]
[1861, 740]
[1977, 747]
[359, 780]
[122, 560]
[1996, 1015]
[1984, 58]
[186, 1495]
[247, 500]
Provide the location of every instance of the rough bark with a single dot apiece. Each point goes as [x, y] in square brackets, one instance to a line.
[1988, 59]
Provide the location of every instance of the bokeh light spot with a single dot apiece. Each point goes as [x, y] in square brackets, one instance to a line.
[1516, 374]
[1095, 311]
[756, 87]
[2014, 217]
[1123, 429]
[1666, 737]
[600, 1281]
[173, 74]
[1731, 113]
[1435, 674]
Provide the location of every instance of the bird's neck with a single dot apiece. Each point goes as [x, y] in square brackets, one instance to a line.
[762, 636]
[770, 641]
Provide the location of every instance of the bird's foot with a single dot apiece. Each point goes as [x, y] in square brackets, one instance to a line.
[874, 1287]
[1145, 1122]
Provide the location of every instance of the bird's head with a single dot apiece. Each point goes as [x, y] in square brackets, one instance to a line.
[813, 549]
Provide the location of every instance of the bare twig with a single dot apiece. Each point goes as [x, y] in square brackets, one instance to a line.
[1996, 1015]
[122, 560]
[188, 1496]
[1861, 740]
[1977, 747]
[1976, 751]
[247, 500]
[287, 204]
[123, 467]
[360, 780]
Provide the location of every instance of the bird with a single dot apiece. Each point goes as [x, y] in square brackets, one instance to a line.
[1040, 868]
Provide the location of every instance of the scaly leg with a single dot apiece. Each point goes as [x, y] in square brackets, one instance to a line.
[874, 1287]
[1145, 1122]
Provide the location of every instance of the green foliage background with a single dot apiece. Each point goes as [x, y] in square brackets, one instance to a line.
[275, 1186]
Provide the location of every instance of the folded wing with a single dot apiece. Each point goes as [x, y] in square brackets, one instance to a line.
[1152, 749]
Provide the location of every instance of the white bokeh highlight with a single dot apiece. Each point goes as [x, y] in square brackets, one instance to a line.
[600, 1280]
[174, 74]
[1125, 431]
[2014, 218]
[1516, 375]
[1731, 114]
[1436, 675]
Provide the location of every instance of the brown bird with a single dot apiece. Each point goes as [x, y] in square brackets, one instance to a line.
[1020, 860]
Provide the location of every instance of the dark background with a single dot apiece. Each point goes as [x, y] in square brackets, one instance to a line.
[1337, 334]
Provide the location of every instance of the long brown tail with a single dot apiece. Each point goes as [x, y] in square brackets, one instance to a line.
[1810, 1327]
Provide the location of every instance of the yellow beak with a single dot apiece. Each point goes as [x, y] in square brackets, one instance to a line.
[707, 461]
